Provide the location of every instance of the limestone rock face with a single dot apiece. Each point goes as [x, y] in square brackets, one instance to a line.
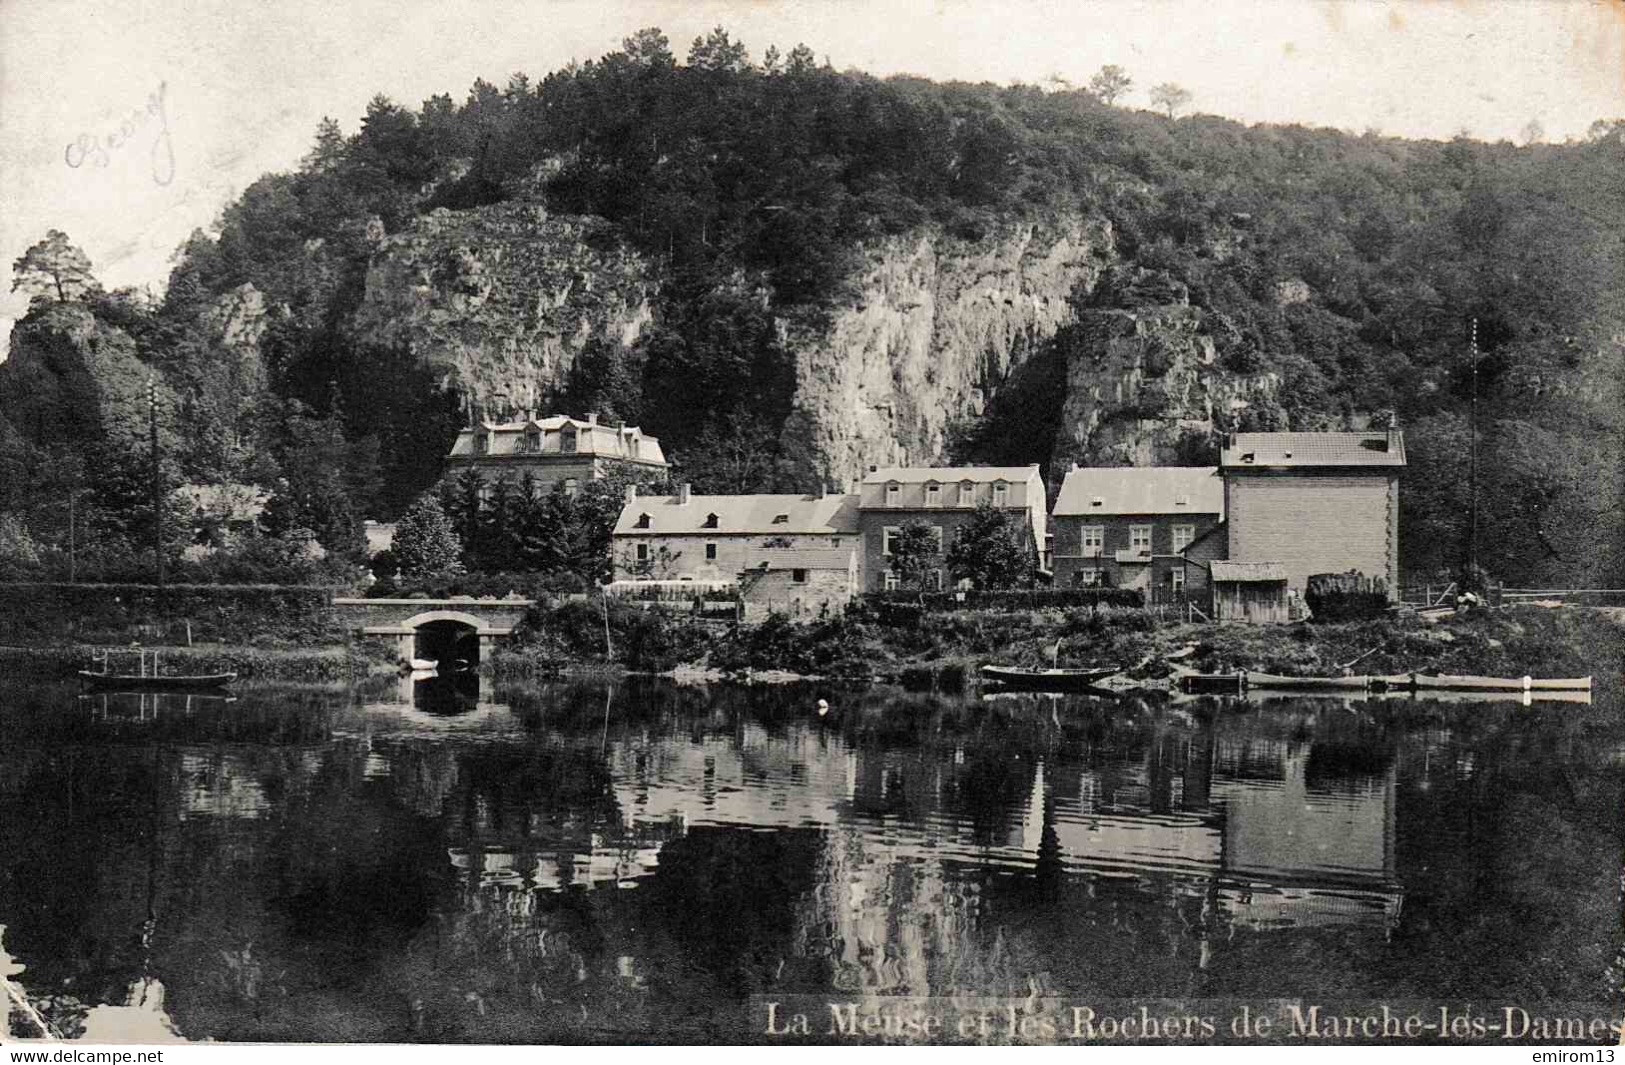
[937, 324]
[1142, 374]
[502, 300]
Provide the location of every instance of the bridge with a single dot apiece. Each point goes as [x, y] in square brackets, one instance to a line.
[461, 627]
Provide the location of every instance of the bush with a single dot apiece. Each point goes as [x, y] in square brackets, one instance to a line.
[1018, 599]
[32, 614]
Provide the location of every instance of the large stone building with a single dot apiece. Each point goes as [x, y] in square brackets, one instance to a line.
[795, 554]
[556, 450]
[944, 498]
[1128, 527]
[1315, 502]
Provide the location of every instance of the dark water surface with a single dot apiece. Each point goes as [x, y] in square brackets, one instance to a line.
[582, 863]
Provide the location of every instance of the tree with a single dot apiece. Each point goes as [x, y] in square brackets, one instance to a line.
[1112, 82]
[1170, 97]
[54, 267]
[716, 51]
[990, 550]
[649, 48]
[914, 553]
[425, 543]
[1534, 132]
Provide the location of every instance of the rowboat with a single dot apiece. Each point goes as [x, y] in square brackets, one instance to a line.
[149, 677]
[151, 682]
[1319, 684]
[1423, 682]
[1048, 679]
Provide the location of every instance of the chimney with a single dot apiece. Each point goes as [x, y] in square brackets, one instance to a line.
[631, 494]
[1393, 434]
[530, 416]
[823, 489]
[592, 417]
[683, 491]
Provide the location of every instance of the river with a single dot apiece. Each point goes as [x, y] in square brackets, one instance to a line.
[639, 860]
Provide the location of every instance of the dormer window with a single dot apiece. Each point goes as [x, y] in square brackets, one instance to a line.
[479, 443]
[1001, 493]
[967, 493]
[567, 441]
[1248, 456]
[894, 494]
[710, 522]
[533, 442]
[933, 495]
[781, 519]
[1181, 500]
[643, 521]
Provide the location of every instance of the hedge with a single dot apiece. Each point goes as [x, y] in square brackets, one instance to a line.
[33, 614]
[1020, 599]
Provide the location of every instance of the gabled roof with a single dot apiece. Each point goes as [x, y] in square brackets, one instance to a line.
[1314, 449]
[1141, 490]
[950, 474]
[830, 515]
[1247, 571]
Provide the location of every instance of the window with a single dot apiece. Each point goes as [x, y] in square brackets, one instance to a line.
[894, 494]
[965, 584]
[710, 552]
[1139, 539]
[1183, 535]
[567, 441]
[891, 581]
[570, 486]
[1001, 494]
[835, 541]
[1177, 579]
[1094, 538]
[967, 494]
[936, 531]
[643, 552]
[479, 443]
[533, 442]
[933, 580]
[781, 519]
[710, 521]
[1087, 577]
[887, 537]
[799, 576]
[933, 495]
[643, 521]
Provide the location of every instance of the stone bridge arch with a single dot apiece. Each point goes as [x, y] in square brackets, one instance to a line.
[436, 628]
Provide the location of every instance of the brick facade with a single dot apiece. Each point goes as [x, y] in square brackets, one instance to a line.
[1316, 521]
[1115, 561]
[943, 498]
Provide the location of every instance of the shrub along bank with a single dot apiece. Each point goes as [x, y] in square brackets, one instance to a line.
[865, 642]
[255, 615]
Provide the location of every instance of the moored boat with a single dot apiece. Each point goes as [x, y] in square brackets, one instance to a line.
[1447, 682]
[1280, 683]
[1048, 679]
[149, 676]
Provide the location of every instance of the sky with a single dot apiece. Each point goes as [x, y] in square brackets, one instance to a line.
[204, 96]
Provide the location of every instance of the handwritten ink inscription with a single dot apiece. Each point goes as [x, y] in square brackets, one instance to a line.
[99, 149]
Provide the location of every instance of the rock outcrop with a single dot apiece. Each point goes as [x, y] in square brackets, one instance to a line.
[938, 324]
[502, 300]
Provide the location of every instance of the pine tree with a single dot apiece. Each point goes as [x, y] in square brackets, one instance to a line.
[425, 542]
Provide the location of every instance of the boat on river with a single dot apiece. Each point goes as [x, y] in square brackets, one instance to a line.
[149, 675]
[1275, 682]
[1421, 682]
[1049, 679]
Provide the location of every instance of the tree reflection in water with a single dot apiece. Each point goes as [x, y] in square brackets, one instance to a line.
[527, 865]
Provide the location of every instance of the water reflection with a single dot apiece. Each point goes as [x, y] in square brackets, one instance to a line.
[434, 860]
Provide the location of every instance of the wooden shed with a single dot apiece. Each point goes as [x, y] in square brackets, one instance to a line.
[1249, 591]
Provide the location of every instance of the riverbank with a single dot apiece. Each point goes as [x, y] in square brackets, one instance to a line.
[331, 663]
[946, 649]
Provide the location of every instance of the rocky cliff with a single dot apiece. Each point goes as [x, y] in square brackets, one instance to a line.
[502, 300]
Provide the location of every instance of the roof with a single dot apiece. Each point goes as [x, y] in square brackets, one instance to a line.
[949, 474]
[1314, 449]
[829, 515]
[592, 438]
[1247, 571]
[1141, 490]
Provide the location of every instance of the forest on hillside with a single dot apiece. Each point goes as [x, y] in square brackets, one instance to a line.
[755, 183]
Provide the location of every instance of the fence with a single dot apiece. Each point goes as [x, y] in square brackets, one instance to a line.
[1575, 596]
[1025, 599]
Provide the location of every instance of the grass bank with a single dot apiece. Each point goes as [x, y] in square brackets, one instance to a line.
[316, 664]
[946, 648]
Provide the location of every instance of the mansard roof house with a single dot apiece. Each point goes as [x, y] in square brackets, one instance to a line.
[555, 450]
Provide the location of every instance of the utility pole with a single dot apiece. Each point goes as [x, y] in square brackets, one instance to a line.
[1472, 535]
[157, 483]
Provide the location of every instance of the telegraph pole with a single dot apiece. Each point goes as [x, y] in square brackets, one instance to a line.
[1472, 535]
[157, 480]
